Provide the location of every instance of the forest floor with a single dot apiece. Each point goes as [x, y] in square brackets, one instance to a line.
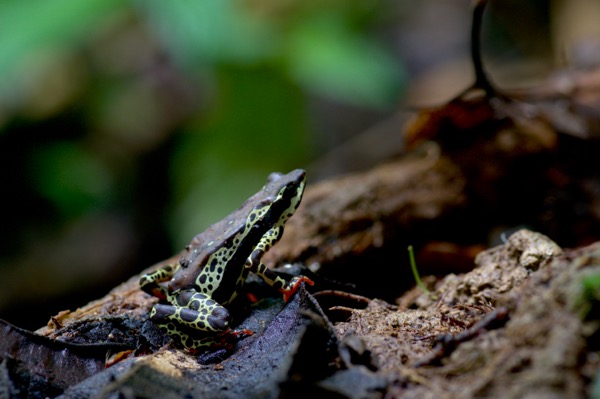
[499, 196]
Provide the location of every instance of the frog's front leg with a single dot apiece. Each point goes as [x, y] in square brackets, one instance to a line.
[287, 288]
[270, 238]
[149, 283]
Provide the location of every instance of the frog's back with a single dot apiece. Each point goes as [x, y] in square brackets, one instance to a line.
[221, 250]
[225, 243]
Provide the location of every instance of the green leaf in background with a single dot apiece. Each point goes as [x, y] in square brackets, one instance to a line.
[28, 26]
[324, 55]
[318, 47]
[209, 31]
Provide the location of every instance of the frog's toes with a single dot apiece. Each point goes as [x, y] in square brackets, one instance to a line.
[239, 334]
[219, 319]
[234, 336]
[293, 286]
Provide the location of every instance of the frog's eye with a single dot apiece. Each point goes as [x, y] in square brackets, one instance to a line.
[183, 262]
[274, 176]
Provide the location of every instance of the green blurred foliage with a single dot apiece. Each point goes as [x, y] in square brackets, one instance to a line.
[211, 31]
[71, 178]
[252, 63]
[166, 115]
[31, 26]
[324, 54]
[322, 45]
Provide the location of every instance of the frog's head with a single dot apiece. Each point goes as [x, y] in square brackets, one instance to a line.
[282, 195]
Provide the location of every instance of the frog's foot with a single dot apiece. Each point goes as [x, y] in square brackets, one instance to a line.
[293, 286]
[287, 288]
[149, 282]
[235, 335]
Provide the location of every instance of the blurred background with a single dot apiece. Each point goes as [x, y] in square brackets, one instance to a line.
[127, 127]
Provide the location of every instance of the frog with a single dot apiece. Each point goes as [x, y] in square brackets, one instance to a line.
[194, 292]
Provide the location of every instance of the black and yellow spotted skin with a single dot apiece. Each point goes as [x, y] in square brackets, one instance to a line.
[217, 262]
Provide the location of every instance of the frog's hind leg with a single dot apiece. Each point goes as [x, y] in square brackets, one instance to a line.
[195, 321]
[193, 310]
[149, 282]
